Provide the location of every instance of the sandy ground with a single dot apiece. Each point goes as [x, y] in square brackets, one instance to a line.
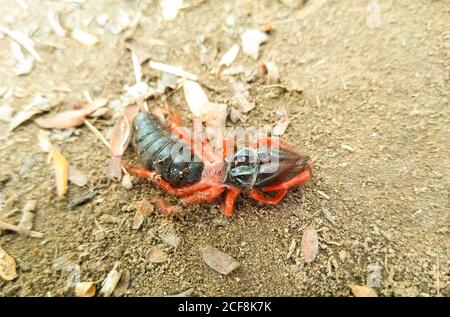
[374, 113]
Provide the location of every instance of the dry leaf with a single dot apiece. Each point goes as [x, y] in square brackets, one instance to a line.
[156, 255]
[77, 177]
[61, 172]
[114, 168]
[6, 113]
[7, 266]
[40, 103]
[362, 291]
[68, 119]
[281, 125]
[110, 282]
[251, 40]
[85, 289]
[310, 245]
[120, 137]
[271, 70]
[219, 261]
[170, 8]
[143, 210]
[84, 37]
[229, 57]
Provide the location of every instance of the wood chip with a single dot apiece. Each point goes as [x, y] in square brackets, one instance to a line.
[156, 255]
[362, 291]
[110, 282]
[7, 266]
[310, 245]
[84, 37]
[219, 261]
[8, 226]
[85, 289]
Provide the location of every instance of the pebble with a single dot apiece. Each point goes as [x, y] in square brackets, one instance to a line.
[374, 275]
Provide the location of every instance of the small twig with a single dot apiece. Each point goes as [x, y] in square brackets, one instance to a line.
[97, 133]
[8, 226]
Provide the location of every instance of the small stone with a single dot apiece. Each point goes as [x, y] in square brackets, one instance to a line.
[24, 266]
[374, 275]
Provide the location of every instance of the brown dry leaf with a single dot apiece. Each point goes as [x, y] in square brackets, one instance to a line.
[281, 126]
[7, 266]
[362, 291]
[61, 172]
[310, 244]
[140, 50]
[39, 104]
[219, 261]
[99, 112]
[77, 177]
[120, 137]
[157, 255]
[68, 119]
[114, 168]
[85, 289]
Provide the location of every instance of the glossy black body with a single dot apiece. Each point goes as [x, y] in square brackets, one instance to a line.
[164, 154]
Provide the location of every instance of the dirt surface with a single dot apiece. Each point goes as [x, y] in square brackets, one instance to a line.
[374, 113]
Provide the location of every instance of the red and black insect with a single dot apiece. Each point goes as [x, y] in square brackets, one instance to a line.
[204, 176]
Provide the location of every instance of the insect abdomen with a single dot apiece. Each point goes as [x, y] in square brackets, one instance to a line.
[164, 154]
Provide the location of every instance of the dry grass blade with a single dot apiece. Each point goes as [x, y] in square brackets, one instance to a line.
[22, 40]
[7, 266]
[8, 226]
[177, 71]
[61, 172]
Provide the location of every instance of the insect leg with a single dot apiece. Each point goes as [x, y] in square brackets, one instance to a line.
[206, 195]
[228, 204]
[301, 178]
[257, 195]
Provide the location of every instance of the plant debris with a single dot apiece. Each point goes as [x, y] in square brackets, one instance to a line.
[281, 126]
[241, 96]
[170, 8]
[251, 41]
[271, 69]
[40, 103]
[61, 172]
[186, 293]
[174, 70]
[143, 210]
[110, 282]
[84, 37]
[219, 261]
[68, 119]
[229, 57]
[85, 289]
[140, 50]
[6, 113]
[156, 254]
[362, 291]
[310, 245]
[7, 266]
[123, 284]
[23, 40]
